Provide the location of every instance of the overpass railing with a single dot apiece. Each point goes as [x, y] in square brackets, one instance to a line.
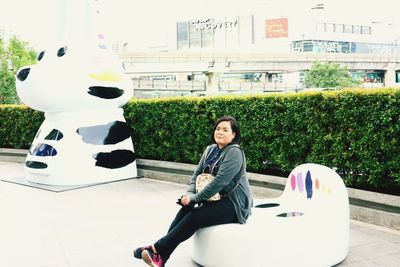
[169, 85]
[258, 86]
[178, 56]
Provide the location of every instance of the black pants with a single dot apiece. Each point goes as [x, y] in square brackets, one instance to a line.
[187, 222]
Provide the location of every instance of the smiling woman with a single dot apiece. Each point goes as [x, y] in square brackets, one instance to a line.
[226, 162]
[224, 134]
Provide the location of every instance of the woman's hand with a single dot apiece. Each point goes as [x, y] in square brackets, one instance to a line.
[185, 200]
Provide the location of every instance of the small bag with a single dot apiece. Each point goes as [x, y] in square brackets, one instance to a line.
[202, 180]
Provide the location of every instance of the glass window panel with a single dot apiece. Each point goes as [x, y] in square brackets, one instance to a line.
[308, 46]
[182, 30]
[182, 34]
[183, 44]
[357, 29]
[297, 46]
[317, 46]
[345, 47]
[365, 30]
[348, 28]
[231, 29]
[207, 38]
[330, 27]
[194, 36]
[339, 28]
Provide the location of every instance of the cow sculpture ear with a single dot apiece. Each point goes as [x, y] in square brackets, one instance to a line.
[61, 52]
[41, 55]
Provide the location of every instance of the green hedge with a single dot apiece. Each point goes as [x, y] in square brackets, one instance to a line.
[18, 125]
[354, 131]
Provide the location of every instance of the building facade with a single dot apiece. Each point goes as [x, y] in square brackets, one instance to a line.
[292, 32]
[284, 30]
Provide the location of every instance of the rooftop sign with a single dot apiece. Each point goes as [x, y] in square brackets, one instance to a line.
[276, 28]
[212, 24]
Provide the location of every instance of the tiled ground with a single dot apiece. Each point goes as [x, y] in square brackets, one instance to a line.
[99, 226]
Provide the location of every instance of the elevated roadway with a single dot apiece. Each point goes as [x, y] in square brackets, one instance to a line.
[176, 61]
[213, 64]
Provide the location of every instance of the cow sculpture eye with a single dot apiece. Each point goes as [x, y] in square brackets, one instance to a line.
[40, 56]
[61, 52]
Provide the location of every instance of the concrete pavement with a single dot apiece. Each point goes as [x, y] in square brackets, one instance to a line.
[100, 225]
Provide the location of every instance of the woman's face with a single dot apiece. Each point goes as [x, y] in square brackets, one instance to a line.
[223, 134]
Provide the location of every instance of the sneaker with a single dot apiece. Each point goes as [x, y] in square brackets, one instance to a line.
[152, 259]
[137, 253]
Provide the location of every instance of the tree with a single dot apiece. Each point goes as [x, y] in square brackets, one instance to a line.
[13, 55]
[329, 75]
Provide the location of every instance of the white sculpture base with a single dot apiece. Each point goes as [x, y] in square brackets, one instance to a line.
[83, 147]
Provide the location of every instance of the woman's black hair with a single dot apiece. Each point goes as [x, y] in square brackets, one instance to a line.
[234, 126]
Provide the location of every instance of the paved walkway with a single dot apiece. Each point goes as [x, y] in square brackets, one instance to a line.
[98, 226]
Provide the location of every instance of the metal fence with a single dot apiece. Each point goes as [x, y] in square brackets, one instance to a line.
[259, 86]
[169, 85]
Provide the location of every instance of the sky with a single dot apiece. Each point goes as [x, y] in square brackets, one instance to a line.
[144, 21]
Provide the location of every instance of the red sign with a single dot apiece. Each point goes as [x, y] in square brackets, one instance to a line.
[276, 28]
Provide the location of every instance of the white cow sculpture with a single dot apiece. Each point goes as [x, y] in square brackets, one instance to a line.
[308, 225]
[80, 85]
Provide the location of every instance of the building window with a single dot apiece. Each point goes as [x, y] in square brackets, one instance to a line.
[329, 27]
[339, 28]
[183, 35]
[280, 77]
[348, 29]
[297, 46]
[194, 36]
[308, 46]
[342, 28]
[357, 29]
[302, 76]
[368, 76]
[365, 30]
[207, 38]
[322, 46]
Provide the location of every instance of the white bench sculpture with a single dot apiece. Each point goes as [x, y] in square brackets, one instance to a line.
[308, 225]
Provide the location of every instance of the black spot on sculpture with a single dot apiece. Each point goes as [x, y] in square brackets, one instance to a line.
[115, 159]
[111, 133]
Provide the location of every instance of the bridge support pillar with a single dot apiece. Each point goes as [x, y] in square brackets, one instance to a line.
[212, 85]
[390, 75]
[264, 77]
